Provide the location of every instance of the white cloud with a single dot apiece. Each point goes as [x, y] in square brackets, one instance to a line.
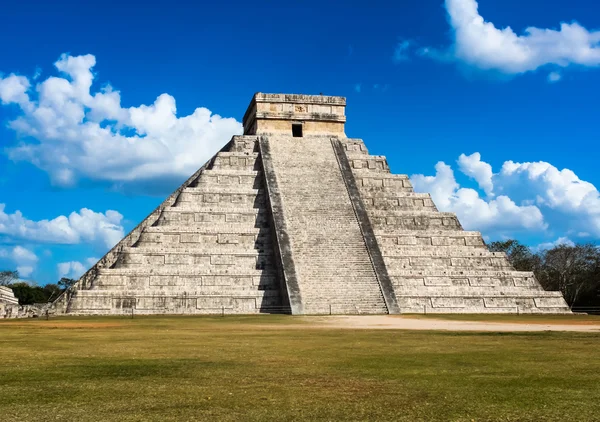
[13, 89]
[24, 259]
[74, 269]
[472, 166]
[525, 190]
[401, 51]
[560, 190]
[481, 44]
[497, 215]
[83, 226]
[554, 77]
[549, 245]
[357, 88]
[75, 133]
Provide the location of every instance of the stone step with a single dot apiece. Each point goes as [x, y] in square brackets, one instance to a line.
[364, 172]
[197, 248]
[188, 216]
[226, 171]
[354, 146]
[199, 261]
[416, 260]
[449, 272]
[410, 200]
[222, 189]
[384, 191]
[387, 181]
[191, 291]
[410, 213]
[211, 208]
[430, 250]
[231, 177]
[222, 199]
[526, 283]
[200, 250]
[397, 236]
[236, 159]
[518, 303]
[390, 220]
[374, 163]
[229, 228]
[473, 291]
[244, 143]
[205, 240]
[454, 255]
[416, 263]
[188, 270]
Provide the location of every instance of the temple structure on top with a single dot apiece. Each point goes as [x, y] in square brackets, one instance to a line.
[295, 217]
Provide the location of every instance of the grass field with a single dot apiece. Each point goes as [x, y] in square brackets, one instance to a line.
[275, 368]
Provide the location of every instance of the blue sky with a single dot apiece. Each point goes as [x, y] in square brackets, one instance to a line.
[105, 111]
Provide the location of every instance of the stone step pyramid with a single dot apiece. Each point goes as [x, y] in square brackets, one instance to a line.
[295, 217]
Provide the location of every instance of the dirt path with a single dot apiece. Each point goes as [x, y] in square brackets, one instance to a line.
[388, 322]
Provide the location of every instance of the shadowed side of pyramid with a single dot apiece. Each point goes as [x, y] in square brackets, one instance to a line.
[295, 217]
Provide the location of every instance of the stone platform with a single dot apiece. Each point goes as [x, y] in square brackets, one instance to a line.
[295, 217]
[9, 305]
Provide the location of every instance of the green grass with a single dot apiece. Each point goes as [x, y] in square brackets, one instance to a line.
[274, 368]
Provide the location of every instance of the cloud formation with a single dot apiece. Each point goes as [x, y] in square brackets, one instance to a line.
[533, 196]
[24, 259]
[480, 44]
[73, 132]
[102, 229]
[401, 53]
[498, 215]
[74, 269]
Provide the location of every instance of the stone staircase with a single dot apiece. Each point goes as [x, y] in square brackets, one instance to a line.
[331, 262]
[435, 266]
[208, 250]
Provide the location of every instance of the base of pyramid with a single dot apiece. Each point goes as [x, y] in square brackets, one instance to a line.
[117, 302]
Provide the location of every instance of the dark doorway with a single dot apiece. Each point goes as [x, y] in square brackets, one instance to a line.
[297, 130]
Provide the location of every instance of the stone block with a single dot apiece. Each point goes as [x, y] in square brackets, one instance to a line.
[550, 302]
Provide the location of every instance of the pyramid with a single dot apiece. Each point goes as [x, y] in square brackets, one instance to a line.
[295, 217]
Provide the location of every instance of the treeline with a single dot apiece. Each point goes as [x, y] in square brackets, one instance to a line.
[572, 270]
[28, 293]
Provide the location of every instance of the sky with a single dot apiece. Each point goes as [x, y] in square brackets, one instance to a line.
[491, 106]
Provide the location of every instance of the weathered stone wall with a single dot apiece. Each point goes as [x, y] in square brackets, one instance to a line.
[275, 113]
[9, 305]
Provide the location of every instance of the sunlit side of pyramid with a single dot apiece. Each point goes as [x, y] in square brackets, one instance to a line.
[295, 217]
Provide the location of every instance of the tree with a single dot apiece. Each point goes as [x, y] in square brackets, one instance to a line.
[28, 294]
[519, 255]
[52, 291]
[8, 277]
[65, 283]
[574, 270]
